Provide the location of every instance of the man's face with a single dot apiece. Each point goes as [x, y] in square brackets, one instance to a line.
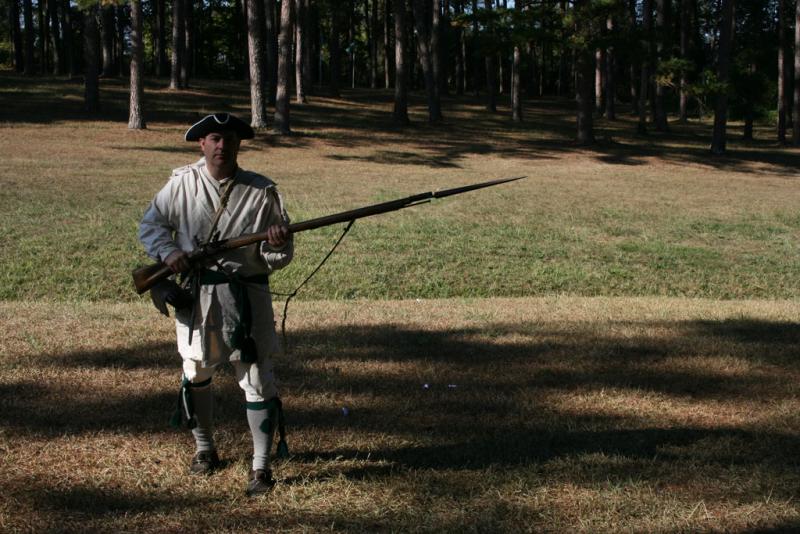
[220, 149]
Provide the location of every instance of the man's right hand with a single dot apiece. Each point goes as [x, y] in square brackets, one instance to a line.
[178, 261]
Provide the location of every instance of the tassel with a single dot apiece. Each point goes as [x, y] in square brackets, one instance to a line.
[283, 449]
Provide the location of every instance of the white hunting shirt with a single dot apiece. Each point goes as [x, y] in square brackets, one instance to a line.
[180, 218]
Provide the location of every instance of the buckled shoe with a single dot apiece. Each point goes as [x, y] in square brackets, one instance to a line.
[204, 463]
[260, 482]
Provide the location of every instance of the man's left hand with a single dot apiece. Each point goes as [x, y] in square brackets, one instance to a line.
[277, 235]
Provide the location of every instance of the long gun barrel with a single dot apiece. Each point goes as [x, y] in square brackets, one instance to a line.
[144, 278]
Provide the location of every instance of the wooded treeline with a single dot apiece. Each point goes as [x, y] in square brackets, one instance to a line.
[665, 61]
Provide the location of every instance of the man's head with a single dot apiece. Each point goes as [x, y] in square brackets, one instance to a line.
[219, 136]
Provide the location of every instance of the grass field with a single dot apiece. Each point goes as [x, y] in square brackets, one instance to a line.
[608, 346]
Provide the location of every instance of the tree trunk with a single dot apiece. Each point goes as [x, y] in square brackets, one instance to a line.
[647, 29]
[91, 48]
[27, 15]
[491, 74]
[422, 21]
[16, 36]
[351, 39]
[723, 71]
[684, 83]
[311, 25]
[796, 122]
[255, 49]
[107, 30]
[55, 37]
[135, 114]
[335, 53]
[300, 50]
[44, 40]
[660, 112]
[188, 43]
[632, 69]
[373, 43]
[387, 44]
[599, 79]
[437, 33]
[282, 125]
[584, 70]
[70, 65]
[400, 113]
[516, 102]
[160, 37]
[178, 42]
[119, 41]
[476, 82]
[782, 96]
[611, 88]
[460, 50]
[271, 37]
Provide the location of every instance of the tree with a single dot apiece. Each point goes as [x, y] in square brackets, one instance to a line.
[66, 26]
[782, 78]
[91, 42]
[334, 49]
[647, 30]
[16, 35]
[107, 28]
[27, 15]
[256, 51]
[610, 88]
[516, 65]
[271, 37]
[584, 73]
[300, 49]
[723, 71]
[178, 44]
[188, 44]
[633, 66]
[796, 122]
[659, 110]
[135, 115]
[400, 113]
[55, 37]
[281, 125]
[491, 69]
[422, 23]
[160, 37]
[684, 83]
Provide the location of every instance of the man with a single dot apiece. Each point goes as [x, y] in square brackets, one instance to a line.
[228, 315]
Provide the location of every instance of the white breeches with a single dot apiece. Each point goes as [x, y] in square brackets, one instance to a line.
[256, 379]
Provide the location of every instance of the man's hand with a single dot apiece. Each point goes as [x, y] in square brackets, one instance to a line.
[277, 235]
[177, 261]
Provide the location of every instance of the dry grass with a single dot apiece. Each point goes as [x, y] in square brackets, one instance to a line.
[553, 414]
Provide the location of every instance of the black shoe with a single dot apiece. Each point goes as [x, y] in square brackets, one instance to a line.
[204, 463]
[260, 482]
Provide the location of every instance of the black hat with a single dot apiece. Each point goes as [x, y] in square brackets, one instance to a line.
[217, 123]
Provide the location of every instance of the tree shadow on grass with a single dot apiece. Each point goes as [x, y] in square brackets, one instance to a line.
[362, 118]
[487, 399]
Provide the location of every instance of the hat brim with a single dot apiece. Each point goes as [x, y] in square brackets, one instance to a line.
[219, 123]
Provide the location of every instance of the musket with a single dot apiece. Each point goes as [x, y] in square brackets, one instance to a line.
[144, 278]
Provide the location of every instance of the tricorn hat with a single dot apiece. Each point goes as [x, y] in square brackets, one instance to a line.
[217, 123]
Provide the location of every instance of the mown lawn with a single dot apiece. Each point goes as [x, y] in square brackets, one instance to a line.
[652, 215]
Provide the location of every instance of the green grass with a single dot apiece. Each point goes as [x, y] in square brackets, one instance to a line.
[637, 216]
